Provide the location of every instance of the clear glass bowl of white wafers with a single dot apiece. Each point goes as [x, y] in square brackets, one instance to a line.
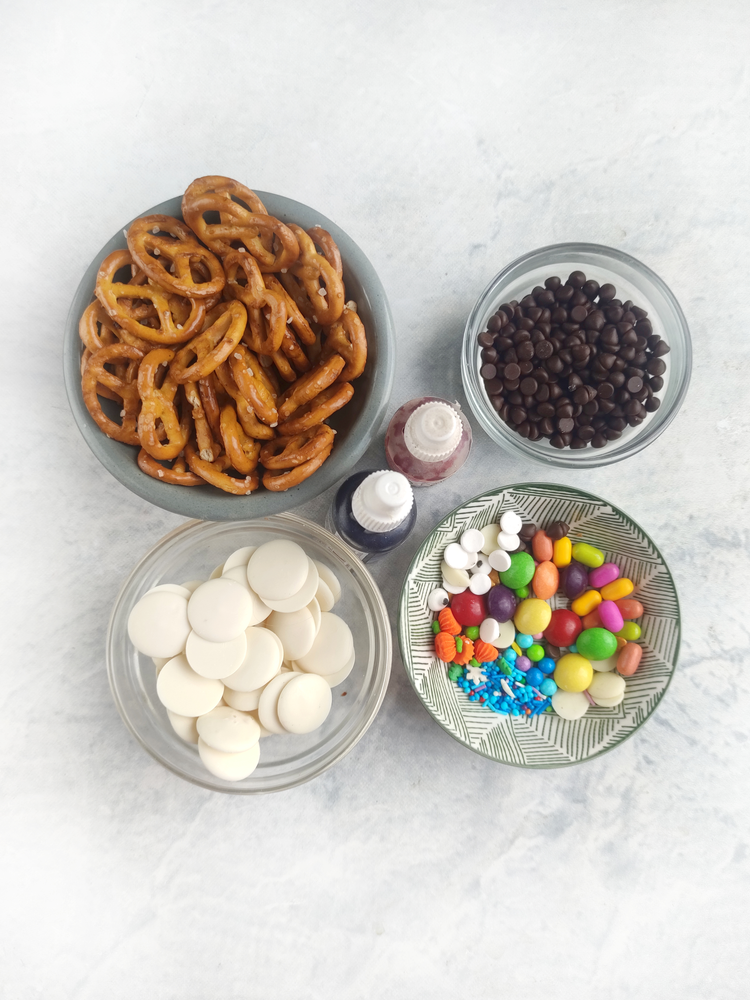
[196, 551]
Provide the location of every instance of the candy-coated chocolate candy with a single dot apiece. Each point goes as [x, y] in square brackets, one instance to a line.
[522, 593]
[573, 672]
[574, 579]
[592, 620]
[596, 643]
[472, 632]
[438, 599]
[610, 616]
[521, 571]
[607, 690]
[489, 630]
[535, 653]
[490, 533]
[501, 603]
[605, 574]
[546, 665]
[564, 627]
[562, 552]
[620, 588]
[534, 676]
[630, 631]
[621, 642]
[548, 687]
[469, 609]
[523, 663]
[524, 641]
[532, 615]
[588, 555]
[629, 659]
[629, 608]
[586, 602]
[542, 547]
[546, 580]
[570, 705]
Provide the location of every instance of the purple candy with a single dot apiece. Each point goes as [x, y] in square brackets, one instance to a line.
[522, 663]
[501, 603]
[574, 579]
[605, 574]
[610, 615]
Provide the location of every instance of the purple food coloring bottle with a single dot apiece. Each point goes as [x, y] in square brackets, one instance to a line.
[428, 440]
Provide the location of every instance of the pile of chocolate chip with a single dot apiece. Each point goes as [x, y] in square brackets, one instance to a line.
[572, 363]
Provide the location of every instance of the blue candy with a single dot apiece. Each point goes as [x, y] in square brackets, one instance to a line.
[547, 665]
[510, 655]
[573, 648]
[524, 641]
[548, 687]
[534, 676]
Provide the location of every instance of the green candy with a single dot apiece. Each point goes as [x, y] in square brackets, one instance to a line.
[454, 671]
[535, 653]
[472, 632]
[596, 644]
[436, 626]
[588, 555]
[629, 631]
[522, 593]
[459, 645]
[520, 573]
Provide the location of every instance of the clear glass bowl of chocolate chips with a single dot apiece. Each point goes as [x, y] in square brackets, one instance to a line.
[576, 355]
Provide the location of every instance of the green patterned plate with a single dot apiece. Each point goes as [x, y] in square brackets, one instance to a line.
[545, 740]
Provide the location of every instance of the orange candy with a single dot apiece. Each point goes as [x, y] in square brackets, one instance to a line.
[629, 659]
[542, 547]
[629, 608]
[592, 619]
[485, 652]
[466, 654]
[445, 647]
[448, 623]
[546, 579]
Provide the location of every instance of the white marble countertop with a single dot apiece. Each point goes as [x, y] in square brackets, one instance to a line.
[446, 138]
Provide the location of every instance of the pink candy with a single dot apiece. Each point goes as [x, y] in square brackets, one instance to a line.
[605, 574]
[610, 615]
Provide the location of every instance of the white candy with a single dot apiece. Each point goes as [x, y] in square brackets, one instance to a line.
[158, 625]
[315, 609]
[507, 541]
[332, 647]
[607, 689]
[191, 585]
[606, 665]
[183, 691]
[490, 533]
[243, 701]
[438, 599]
[296, 629]
[184, 726]
[171, 588]
[340, 676]
[240, 557]
[489, 630]
[472, 557]
[269, 700]
[215, 659]
[499, 560]
[229, 766]
[277, 570]
[323, 594]
[480, 583]
[609, 702]
[455, 556]
[219, 610]
[472, 540]
[510, 522]
[263, 731]
[261, 611]
[451, 589]
[262, 661]
[456, 577]
[226, 729]
[304, 704]
[570, 704]
[506, 635]
[302, 597]
[329, 577]
[482, 565]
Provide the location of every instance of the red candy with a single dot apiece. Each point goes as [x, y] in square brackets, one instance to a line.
[469, 609]
[563, 629]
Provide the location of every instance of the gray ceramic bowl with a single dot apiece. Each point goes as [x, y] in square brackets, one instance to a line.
[356, 424]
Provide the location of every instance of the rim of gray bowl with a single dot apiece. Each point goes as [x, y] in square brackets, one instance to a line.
[206, 503]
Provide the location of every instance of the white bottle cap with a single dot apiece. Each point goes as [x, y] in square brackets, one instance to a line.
[433, 432]
[382, 501]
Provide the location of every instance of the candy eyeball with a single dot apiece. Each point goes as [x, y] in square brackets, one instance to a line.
[438, 599]
[510, 522]
[482, 565]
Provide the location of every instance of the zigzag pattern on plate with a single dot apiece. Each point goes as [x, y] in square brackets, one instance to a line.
[546, 740]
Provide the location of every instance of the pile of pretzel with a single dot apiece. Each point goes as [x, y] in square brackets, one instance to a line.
[228, 345]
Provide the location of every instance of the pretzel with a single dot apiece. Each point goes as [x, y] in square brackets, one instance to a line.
[289, 452]
[243, 451]
[157, 404]
[254, 228]
[213, 473]
[211, 407]
[95, 328]
[291, 348]
[347, 337]
[295, 319]
[318, 409]
[226, 326]
[180, 249]
[283, 367]
[326, 299]
[266, 330]
[177, 475]
[253, 384]
[309, 385]
[207, 447]
[277, 482]
[126, 388]
[328, 245]
[245, 413]
[110, 293]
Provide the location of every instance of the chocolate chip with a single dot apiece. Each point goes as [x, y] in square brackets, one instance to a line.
[634, 384]
[529, 386]
[512, 371]
[488, 371]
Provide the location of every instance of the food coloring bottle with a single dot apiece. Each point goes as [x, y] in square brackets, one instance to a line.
[428, 440]
[373, 512]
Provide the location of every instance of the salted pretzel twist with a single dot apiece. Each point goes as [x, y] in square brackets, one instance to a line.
[277, 482]
[126, 388]
[213, 473]
[290, 451]
[308, 386]
[266, 308]
[157, 405]
[208, 449]
[322, 238]
[318, 409]
[245, 412]
[254, 385]
[171, 261]
[177, 475]
[242, 450]
[347, 338]
[323, 286]
[226, 325]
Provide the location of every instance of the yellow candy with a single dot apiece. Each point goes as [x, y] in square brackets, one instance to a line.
[588, 555]
[532, 615]
[586, 603]
[617, 589]
[629, 631]
[573, 672]
[562, 552]
[514, 645]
